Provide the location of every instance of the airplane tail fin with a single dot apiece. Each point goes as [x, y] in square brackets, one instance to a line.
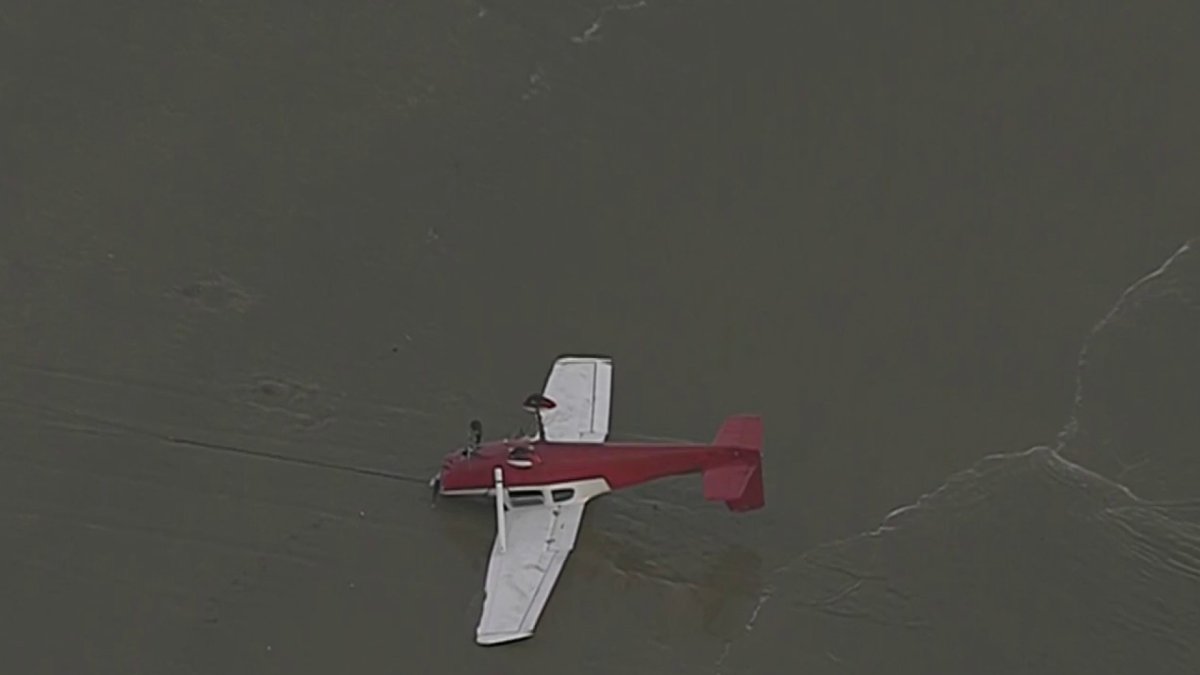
[738, 483]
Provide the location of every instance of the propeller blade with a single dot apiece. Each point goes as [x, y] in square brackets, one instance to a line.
[435, 489]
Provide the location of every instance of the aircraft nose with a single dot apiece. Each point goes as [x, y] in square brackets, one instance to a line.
[448, 462]
[452, 459]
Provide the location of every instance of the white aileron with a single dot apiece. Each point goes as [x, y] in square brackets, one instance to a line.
[581, 389]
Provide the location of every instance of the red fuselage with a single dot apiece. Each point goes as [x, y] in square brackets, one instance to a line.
[532, 463]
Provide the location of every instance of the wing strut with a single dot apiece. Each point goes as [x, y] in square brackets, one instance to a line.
[498, 475]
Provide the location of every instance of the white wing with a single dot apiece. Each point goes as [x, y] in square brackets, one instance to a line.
[521, 575]
[581, 388]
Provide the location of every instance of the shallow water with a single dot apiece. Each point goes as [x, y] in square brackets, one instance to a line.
[250, 259]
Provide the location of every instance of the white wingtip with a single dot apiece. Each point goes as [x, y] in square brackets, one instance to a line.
[500, 638]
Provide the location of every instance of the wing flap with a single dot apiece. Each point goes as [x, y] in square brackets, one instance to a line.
[521, 577]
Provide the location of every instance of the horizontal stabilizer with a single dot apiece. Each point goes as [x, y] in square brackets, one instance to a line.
[727, 482]
[752, 497]
[742, 432]
[739, 485]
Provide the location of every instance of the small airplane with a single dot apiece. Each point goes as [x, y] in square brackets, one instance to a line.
[542, 481]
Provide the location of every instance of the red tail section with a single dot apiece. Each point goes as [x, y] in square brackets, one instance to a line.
[739, 482]
[743, 432]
